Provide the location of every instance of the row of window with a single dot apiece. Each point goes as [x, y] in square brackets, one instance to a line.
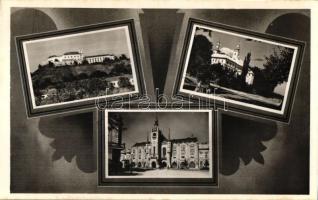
[75, 57]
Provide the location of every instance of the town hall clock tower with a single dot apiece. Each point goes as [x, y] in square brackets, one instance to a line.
[155, 144]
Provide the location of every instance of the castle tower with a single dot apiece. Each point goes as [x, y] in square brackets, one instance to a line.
[218, 45]
[236, 52]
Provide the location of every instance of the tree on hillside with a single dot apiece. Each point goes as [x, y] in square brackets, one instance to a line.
[277, 66]
[260, 84]
[124, 82]
[51, 64]
[98, 74]
[204, 73]
[123, 57]
[200, 54]
[121, 68]
[107, 61]
[85, 62]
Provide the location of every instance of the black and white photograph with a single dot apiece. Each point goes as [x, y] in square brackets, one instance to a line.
[158, 144]
[66, 68]
[238, 68]
[196, 114]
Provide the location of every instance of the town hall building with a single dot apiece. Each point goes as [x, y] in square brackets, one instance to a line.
[160, 151]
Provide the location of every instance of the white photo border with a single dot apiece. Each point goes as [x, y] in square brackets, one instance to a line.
[214, 148]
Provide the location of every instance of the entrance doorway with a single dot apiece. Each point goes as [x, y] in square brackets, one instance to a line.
[153, 164]
[174, 165]
[192, 165]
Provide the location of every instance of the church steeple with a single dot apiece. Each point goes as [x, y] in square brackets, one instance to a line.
[156, 121]
[236, 53]
[218, 45]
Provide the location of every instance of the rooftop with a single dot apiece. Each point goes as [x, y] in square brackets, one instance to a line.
[182, 140]
[138, 144]
[71, 53]
[227, 53]
[92, 56]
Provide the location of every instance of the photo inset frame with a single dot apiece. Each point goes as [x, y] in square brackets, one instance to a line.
[72, 69]
[245, 71]
[154, 157]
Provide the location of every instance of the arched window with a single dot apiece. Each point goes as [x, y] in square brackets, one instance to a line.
[164, 152]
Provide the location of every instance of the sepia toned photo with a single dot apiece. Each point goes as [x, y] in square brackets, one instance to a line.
[160, 144]
[84, 65]
[238, 68]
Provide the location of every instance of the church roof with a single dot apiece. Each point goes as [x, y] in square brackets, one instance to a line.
[138, 144]
[188, 139]
[227, 53]
[99, 55]
[162, 137]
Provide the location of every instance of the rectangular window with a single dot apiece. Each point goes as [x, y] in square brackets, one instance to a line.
[192, 151]
[182, 150]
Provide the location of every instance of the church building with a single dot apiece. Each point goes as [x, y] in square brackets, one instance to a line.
[231, 59]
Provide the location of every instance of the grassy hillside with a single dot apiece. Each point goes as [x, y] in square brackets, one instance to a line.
[47, 75]
[66, 83]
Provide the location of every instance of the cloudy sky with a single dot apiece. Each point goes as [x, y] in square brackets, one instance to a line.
[181, 124]
[258, 49]
[107, 42]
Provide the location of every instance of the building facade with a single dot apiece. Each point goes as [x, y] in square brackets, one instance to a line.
[160, 151]
[99, 58]
[68, 58]
[77, 57]
[115, 81]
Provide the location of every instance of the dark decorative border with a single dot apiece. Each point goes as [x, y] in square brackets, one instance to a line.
[34, 112]
[167, 182]
[233, 106]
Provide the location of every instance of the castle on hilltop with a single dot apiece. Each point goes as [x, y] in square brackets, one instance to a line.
[77, 57]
